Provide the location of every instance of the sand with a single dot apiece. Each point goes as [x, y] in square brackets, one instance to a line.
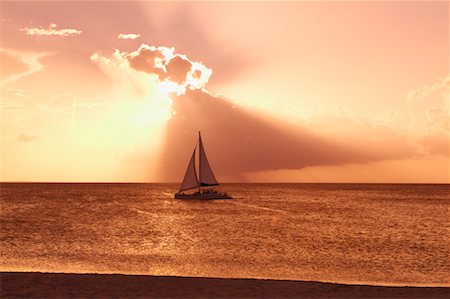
[54, 285]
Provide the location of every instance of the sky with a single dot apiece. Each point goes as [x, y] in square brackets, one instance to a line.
[325, 91]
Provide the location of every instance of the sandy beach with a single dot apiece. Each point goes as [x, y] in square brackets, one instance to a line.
[55, 285]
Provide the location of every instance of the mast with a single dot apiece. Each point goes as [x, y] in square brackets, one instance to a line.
[199, 160]
[200, 147]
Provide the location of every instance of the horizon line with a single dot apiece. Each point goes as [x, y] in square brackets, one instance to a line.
[255, 182]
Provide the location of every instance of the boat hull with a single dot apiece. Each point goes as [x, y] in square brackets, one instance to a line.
[207, 196]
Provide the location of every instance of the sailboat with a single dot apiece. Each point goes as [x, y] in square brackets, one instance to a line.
[203, 182]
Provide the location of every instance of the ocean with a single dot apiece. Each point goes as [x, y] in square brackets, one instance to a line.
[378, 234]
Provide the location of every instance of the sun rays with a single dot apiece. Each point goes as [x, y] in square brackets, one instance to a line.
[146, 78]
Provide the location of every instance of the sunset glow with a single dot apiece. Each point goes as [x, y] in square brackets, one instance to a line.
[280, 94]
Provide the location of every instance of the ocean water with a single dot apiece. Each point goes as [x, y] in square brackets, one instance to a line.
[345, 233]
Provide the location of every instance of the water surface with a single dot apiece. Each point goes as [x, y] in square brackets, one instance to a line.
[346, 233]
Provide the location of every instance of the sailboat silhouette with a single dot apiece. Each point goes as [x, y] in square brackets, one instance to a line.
[204, 179]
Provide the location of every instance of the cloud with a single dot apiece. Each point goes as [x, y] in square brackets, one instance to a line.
[51, 31]
[176, 72]
[437, 139]
[150, 59]
[63, 103]
[14, 99]
[27, 137]
[435, 117]
[177, 69]
[128, 36]
[438, 118]
[170, 67]
[436, 143]
[16, 64]
[387, 117]
[68, 103]
[439, 90]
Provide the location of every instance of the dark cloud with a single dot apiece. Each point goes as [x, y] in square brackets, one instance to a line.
[239, 141]
[144, 60]
[177, 69]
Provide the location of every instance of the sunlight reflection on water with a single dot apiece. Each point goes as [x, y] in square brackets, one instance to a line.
[380, 234]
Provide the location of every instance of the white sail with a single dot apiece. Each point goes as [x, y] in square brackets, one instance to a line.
[206, 174]
[190, 180]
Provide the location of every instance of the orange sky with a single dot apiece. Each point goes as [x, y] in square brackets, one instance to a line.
[284, 92]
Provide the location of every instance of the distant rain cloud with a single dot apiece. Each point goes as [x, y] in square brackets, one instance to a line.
[128, 36]
[51, 31]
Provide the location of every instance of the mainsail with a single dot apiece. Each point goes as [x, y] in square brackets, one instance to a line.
[206, 174]
[190, 180]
